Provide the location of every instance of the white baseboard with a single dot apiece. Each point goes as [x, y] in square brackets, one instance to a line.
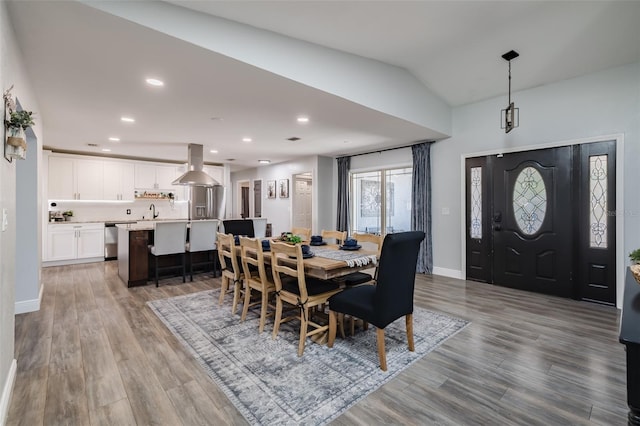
[25, 306]
[445, 272]
[71, 261]
[5, 398]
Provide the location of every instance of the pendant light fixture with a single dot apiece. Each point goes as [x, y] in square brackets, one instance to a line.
[510, 116]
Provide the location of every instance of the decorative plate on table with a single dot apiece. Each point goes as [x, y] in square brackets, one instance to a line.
[356, 247]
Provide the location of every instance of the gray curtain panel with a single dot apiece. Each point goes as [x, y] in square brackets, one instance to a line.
[421, 203]
[342, 220]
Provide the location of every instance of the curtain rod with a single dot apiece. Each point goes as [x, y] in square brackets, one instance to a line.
[383, 150]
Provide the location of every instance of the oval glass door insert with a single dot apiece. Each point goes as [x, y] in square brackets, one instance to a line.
[529, 201]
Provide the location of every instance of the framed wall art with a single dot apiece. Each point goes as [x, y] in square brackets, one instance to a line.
[271, 189]
[283, 188]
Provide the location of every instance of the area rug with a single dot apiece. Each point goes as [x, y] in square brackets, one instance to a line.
[267, 381]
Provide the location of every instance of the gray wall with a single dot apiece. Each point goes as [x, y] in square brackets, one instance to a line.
[598, 104]
[12, 73]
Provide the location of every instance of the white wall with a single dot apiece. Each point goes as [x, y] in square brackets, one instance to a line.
[278, 210]
[12, 73]
[397, 92]
[582, 108]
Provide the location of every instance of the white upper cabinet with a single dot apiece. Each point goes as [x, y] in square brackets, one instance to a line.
[118, 181]
[75, 179]
[149, 176]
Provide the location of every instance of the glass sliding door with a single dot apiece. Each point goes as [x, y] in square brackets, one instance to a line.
[398, 200]
[381, 197]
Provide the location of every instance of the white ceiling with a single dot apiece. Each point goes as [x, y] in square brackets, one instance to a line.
[88, 68]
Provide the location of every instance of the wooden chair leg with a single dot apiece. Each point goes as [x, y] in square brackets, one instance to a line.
[247, 299]
[263, 310]
[236, 296]
[304, 314]
[278, 317]
[409, 322]
[224, 286]
[341, 325]
[382, 355]
[352, 321]
[332, 328]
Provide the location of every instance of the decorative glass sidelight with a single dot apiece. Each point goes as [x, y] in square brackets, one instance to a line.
[476, 202]
[598, 201]
[529, 201]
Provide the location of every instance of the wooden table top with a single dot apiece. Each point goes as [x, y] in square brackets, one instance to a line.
[323, 268]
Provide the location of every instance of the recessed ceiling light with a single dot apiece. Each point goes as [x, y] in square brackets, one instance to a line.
[214, 151]
[127, 119]
[303, 119]
[154, 82]
[246, 139]
[106, 150]
[114, 139]
[264, 161]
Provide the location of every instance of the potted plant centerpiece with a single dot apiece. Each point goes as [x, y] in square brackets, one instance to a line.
[635, 256]
[16, 122]
[635, 264]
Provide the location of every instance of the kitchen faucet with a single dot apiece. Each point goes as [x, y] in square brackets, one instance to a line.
[153, 208]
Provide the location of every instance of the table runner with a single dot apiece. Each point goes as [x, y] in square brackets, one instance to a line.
[351, 258]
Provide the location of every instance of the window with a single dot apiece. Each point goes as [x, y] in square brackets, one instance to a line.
[381, 196]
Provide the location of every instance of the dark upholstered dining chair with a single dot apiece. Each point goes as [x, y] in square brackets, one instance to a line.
[391, 297]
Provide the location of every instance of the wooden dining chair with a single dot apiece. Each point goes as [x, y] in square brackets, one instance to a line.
[304, 233]
[338, 236]
[391, 297]
[357, 278]
[294, 288]
[231, 271]
[256, 278]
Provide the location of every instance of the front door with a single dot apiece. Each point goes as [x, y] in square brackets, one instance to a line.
[532, 233]
[541, 221]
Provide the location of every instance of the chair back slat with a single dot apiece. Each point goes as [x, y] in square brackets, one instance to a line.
[304, 233]
[252, 254]
[396, 276]
[339, 236]
[227, 255]
[169, 237]
[370, 239]
[281, 253]
[203, 235]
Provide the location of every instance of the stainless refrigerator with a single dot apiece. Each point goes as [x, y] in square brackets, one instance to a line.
[206, 202]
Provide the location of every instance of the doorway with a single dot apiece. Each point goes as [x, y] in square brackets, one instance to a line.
[541, 221]
[257, 198]
[244, 199]
[302, 212]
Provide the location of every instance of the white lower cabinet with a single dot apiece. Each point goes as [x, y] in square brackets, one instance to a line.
[75, 241]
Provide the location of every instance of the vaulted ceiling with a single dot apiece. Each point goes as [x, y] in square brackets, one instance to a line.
[367, 74]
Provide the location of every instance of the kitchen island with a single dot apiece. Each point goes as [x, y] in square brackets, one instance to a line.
[133, 252]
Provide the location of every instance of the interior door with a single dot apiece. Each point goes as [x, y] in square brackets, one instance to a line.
[532, 223]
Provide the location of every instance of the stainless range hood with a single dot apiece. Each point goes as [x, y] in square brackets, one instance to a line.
[195, 176]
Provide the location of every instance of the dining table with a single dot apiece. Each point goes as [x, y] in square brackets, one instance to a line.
[330, 262]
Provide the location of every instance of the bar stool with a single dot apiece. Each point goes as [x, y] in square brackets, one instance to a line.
[169, 238]
[202, 238]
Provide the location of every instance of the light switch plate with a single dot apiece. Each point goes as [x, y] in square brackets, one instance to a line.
[445, 211]
[5, 220]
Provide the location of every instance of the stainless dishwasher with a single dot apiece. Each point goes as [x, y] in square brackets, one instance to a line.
[111, 239]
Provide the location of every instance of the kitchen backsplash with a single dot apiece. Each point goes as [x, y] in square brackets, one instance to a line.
[140, 209]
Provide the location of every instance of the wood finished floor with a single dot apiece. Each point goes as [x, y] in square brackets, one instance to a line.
[95, 354]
